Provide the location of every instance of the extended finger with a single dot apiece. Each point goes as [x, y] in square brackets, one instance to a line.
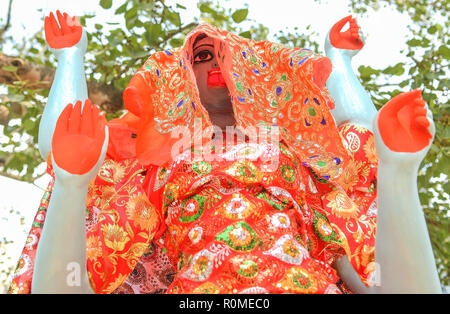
[62, 21]
[54, 25]
[86, 119]
[62, 123]
[422, 121]
[48, 29]
[404, 99]
[340, 24]
[99, 122]
[420, 111]
[419, 102]
[73, 22]
[75, 118]
[354, 29]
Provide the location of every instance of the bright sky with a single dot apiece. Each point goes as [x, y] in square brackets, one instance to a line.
[384, 31]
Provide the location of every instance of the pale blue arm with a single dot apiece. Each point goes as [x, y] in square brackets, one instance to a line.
[403, 253]
[60, 265]
[352, 102]
[69, 85]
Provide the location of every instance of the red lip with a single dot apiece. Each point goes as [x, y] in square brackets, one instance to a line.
[215, 78]
[214, 71]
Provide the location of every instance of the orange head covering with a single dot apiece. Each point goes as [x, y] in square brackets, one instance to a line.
[270, 86]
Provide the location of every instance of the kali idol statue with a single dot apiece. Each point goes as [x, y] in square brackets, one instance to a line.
[238, 167]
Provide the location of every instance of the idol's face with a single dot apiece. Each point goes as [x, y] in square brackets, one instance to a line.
[213, 91]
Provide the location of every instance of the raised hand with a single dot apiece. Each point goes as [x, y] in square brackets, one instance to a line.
[80, 138]
[67, 34]
[352, 102]
[78, 148]
[350, 39]
[405, 123]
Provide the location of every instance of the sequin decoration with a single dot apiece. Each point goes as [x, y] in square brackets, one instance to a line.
[280, 220]
[192, 208]
[244, 171]
[323, 229]
[288, 250]
[237, 207]
[195, 235]
[240, 237]
[298, 280]
[201, 167]
[201, 266]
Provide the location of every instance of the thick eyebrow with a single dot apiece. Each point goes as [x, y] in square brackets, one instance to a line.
[207, 45]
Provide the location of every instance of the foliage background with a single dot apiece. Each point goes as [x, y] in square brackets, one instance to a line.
[148, 26]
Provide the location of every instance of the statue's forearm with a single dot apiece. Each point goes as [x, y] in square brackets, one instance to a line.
[60, 265]
[352, 103]
[403, 248]
[69, 85]
[403, 253]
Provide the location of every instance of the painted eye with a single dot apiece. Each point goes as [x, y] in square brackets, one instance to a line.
[203, 56]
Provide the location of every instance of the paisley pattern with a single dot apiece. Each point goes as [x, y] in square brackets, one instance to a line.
[229, 234]
[281, 235]
[288, 250]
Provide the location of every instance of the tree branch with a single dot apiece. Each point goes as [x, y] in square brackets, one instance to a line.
[36, 76]
[8, 20]
[19, 178]
[180, 30]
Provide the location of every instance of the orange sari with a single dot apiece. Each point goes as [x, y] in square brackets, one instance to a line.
[159, 222]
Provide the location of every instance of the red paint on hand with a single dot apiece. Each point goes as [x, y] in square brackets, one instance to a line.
[403, 123]
[78, 139]
[66, 34]
[349, 39]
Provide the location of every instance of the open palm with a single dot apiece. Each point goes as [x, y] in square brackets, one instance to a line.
[79, 138]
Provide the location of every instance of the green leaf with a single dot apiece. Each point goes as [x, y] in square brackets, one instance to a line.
[176, 42]
[395, 70]
[106, 4]
[240, 15]
[205, 8]
[415, 43]
[444, 51]
[130, 18]
[247, 34]
[122, 8]
[432, 29]
[153, 33]
[173, 17]
[29, 125]
[404, 83]
[9, 68]
[366, 71]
